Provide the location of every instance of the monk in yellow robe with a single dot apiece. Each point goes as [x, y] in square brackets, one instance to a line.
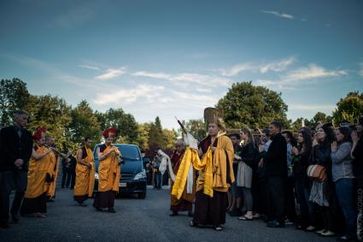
[39, 177]
[109, 173]
[85, 173]
[54, 168]
[215, 176]
[185, 202]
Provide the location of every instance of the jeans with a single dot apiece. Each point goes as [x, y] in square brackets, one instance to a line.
[157, 180]
[11, 180]
[344, 191]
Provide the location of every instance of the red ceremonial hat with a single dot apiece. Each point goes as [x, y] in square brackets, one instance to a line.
[107, 132]
[37, 135]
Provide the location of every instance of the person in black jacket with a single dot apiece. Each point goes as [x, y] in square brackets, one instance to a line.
[16, 145]
[301, 159]
[276, 172]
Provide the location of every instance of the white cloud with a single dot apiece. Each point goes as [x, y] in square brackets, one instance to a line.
[111, 73]
[90, 67]
[144, 91]
[278, 14]
[301, 76]
[312, 72]
[273, 66]
[186, 78]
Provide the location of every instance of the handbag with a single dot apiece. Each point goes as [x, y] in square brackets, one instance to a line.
[316, 172]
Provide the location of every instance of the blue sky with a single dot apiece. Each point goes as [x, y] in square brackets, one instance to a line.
[171, 58]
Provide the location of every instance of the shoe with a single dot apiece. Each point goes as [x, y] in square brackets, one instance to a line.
[345, 238]
[320, 231]
[173, 214]
[275, 224]
[328, 233]
[245, 218]
[218, 228]
[310, 228]
[111, 210]
[193, 224]
[288, 222]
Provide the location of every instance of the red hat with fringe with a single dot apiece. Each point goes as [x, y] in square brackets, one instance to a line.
[109, 131]
[37, 135]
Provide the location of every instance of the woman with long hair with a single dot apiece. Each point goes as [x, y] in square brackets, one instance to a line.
[342, 174]
[322, 192]
[245, 172]
[301, 158]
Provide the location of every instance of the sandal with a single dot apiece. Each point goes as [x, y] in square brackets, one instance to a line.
[218, 228]
[193, 224]
[244, 218]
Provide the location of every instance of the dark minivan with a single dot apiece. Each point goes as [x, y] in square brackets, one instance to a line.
[133, 174]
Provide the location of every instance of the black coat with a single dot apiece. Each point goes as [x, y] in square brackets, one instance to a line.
[276, 157]
[12, 148]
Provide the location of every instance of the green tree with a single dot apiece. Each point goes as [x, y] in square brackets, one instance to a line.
[169, 138]
[84, 123]
[156, 137]
[52, 113]
[349, 108]
[143, 138]
[124, 122]
[197, 128]
[13, 95]
[254, 106]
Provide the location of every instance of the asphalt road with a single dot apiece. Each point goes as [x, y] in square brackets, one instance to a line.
[137, 220]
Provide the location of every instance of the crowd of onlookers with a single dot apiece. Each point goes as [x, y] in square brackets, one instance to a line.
[312, 179]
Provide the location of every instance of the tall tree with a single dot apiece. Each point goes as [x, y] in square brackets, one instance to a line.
[54, 114]
[13, 95]
[197, 128]
[254, 106]
[349, 108]
[124, 122]
[156, 136]
[143, 138]
[84, 123]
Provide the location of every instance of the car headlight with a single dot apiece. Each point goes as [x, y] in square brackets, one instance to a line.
[96, 176]
[140, 175]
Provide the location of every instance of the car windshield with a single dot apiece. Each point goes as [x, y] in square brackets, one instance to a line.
[128, 152]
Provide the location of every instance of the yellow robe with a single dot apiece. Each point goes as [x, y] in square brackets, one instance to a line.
[85, 177]
[38, 170]
[109, 172]
[212, 168]
[53, 169]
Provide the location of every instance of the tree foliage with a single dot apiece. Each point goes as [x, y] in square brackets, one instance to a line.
[52, 113]
[124, 122]
[254, 106]
[349, 108]
[84, 123]
[156, 136]
[197, 128]
[13, 95]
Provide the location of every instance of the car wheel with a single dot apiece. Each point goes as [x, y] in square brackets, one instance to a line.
[142, 195]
